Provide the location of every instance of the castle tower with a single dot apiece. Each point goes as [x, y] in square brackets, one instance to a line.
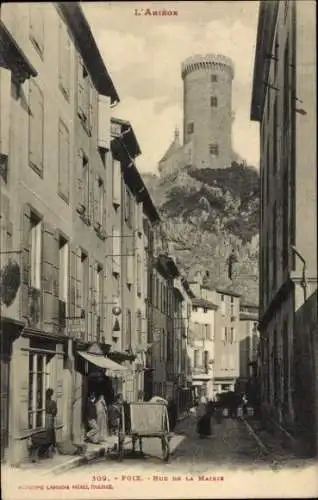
[207, 109]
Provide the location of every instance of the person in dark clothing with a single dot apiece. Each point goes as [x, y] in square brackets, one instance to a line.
[172, 414]
[93, 434]
[50, 414]
[204, 419]
[115, 414]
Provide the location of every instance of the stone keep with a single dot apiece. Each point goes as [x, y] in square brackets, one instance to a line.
[207, 109]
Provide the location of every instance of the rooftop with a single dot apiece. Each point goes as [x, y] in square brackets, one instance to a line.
[205, 304]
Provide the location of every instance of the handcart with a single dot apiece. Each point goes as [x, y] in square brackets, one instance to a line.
[144, 420]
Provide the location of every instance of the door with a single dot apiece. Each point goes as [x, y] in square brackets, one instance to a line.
[5, 373]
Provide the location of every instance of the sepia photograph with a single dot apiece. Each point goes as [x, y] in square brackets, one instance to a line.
[158, 250]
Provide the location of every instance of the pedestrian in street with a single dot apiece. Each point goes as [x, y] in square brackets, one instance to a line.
[93, 433]
[50, 414]
[101, 418]
[203, 419]
[115, 414]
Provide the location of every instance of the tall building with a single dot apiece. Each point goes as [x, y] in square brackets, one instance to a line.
[248, 337]
[207, 109]
[284, 104]
[51, 196]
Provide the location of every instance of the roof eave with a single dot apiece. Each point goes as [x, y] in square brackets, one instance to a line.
[78, 24]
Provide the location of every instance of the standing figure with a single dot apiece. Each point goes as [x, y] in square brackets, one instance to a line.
[101, 418]
[204, 419]
[93, 434]
[50, 414]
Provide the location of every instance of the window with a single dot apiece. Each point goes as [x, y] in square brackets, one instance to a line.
[36, 126]
[83, 278]
[116, 183]
[36, 251]
[37, 27]
[206, 360]
[38, 383]
[85, 97]
[64, 60]
[116, 261]
[208, 332]
[64, 162]
[99, 202]
[223, 305]
[196, 361]
[190, 128]
[139, 275]
[232, 335]
[84, 182]
[128, 328]
[232, 306]
[128, 207]
[214, 78]
[214, 102]
[139, 326]
[63, 269]
[214, 149]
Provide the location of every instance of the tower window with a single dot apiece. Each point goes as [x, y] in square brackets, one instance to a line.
[190, 128]
[214, 78]
[214, 102]
[214, 149]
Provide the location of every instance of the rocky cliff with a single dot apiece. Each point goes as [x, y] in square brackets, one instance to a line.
[209, 215]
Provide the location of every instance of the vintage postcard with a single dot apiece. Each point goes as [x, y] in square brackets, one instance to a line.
[158, 265]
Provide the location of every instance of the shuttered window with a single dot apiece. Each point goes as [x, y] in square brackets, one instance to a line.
[36, 252]
[84, 96]
[128, 208]
[64, 60]
[116, 250]
[139, 275]
[128, 328]
[130, 269]
[63, 270]
[139, 326]
[64, 162]
[83, 182]
[36, 125]
[116, 183]
[196, 358]
[223, 306]
[37, 26]
[99, 201]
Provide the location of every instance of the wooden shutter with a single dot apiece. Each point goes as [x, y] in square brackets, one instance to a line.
[116, 250]
[91, 298]
[209, 332]
[139, 275]
[80, 88]
[96, 201]
[72, 286]
[64, 161]
[90, 106]
[130, 269]
[5, 105]
[36, 127]
[37, 25]
[50, 277]
[104, 122]
[116, 183]
[104, 221]
[64, 58]
[26, 259]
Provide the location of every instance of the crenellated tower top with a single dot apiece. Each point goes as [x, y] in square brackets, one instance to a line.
[207, 62]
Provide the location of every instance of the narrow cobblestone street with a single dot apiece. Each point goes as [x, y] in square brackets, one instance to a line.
[229, 447]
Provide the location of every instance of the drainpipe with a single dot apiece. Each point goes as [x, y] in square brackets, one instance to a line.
[303, 282]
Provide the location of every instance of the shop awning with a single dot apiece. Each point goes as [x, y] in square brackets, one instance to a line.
[102, 362]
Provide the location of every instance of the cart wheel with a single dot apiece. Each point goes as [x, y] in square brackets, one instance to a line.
[165, 449]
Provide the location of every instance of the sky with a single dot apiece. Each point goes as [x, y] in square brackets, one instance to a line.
[143, 55]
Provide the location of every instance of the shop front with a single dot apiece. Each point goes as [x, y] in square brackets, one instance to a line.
[9, 331]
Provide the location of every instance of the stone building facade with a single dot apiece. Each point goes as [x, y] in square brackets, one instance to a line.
[285, 107]
[248, 337]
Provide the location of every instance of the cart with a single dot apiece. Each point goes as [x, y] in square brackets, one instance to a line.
[144, 420]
